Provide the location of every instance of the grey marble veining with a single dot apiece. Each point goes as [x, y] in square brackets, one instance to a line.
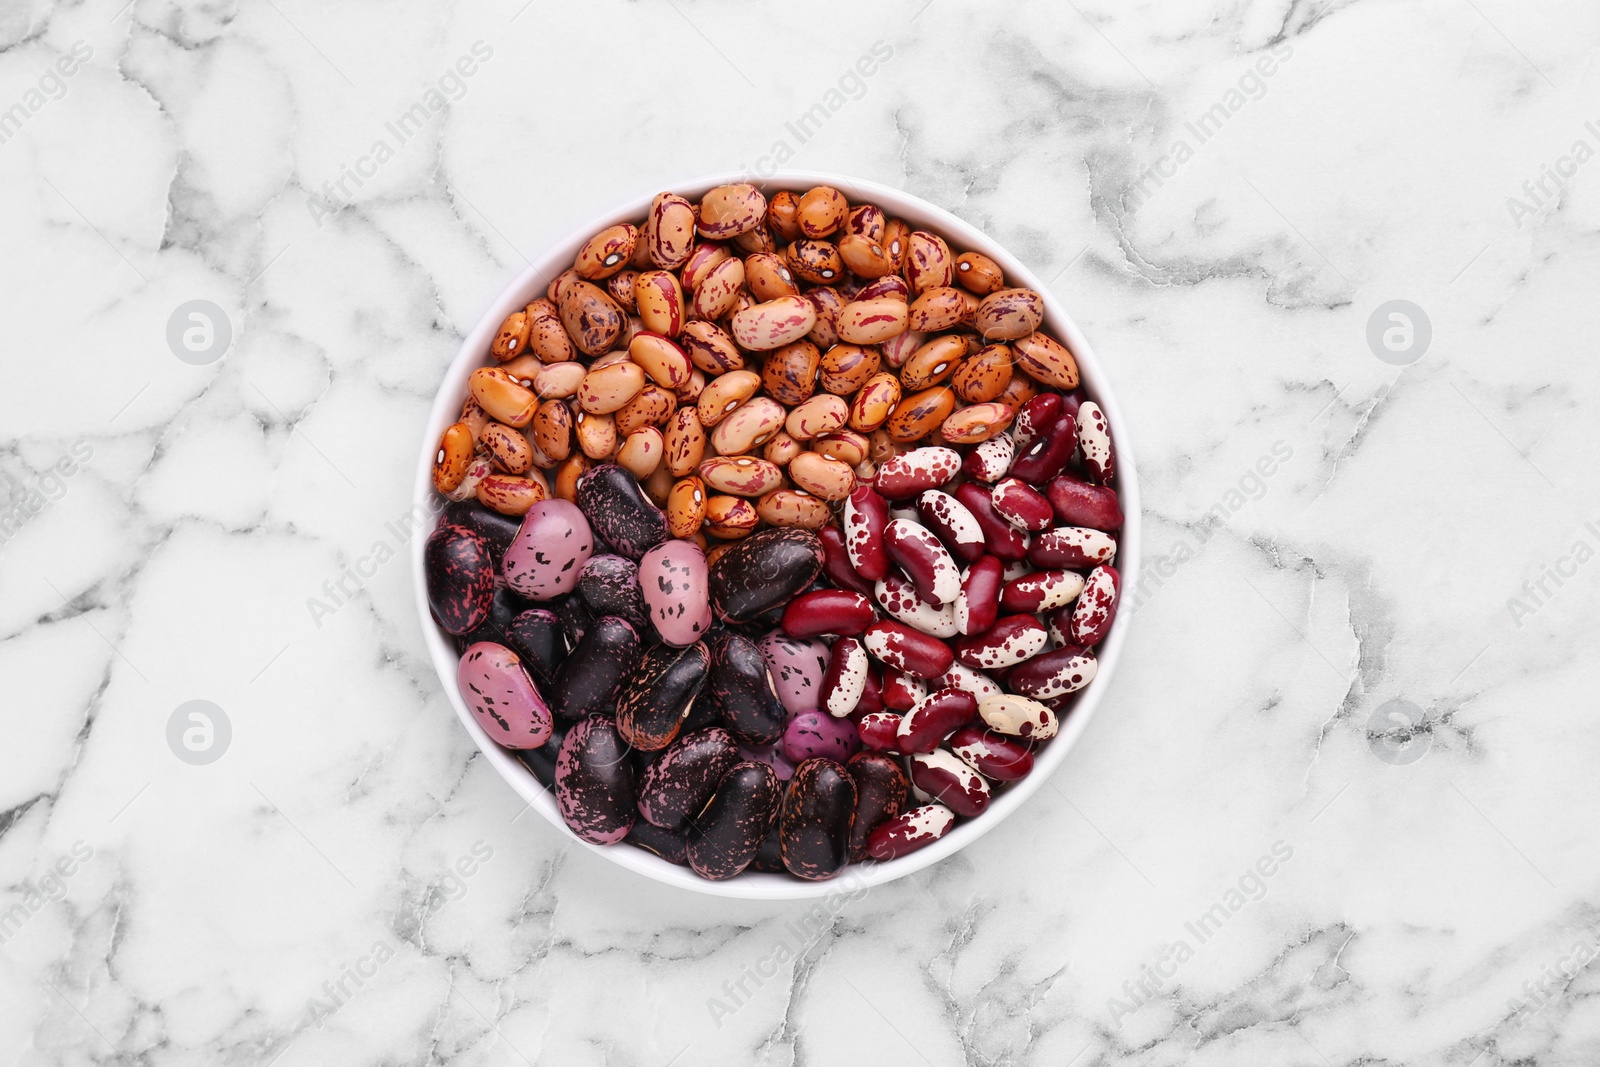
[1338, 806]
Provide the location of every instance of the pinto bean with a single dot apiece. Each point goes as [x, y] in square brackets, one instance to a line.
[1047, 359]
[741, 475]
[985, 375]
[730, 517]
[502, 397]
[508, 448]
[686, 507]
[918, 415]
[938, 308]
[794, 507]
[650, 406]
[978, 273]
[729, 210]
[876, 401]
[685, 441]
[972, 425]
[711, 350]
[659, 300]
[871, 322]
[592, 319]
[607, 388]
[748, 427]
[669, 231]
[769, 277]
[929, 263]
[724, 395]
[511, 338]
[789, 373]
[846, 367]
[450, 462]
[607, 252]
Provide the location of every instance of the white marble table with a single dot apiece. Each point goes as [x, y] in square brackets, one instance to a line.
[1230, 869]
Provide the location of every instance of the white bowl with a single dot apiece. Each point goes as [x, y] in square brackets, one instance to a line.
[756, 885]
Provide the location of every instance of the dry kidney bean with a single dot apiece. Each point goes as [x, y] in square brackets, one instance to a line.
[1040, 591]
[729, 210]
[512, 338]
[741, 475]
[865, 516]
[879, 730]
[929, 264]
[871, 322]
[909, 831]
[933, 718]
[951, 781]
[980, 685]
[934, 361]
[676, 787]
[912, 473]
[1013, 639]
[501, 396]
[511, 494]
[900, 599]
[1080, 504]
[828, 611]
[846, 368]
[748, 427]
[938, 308]
[1003, 540]
[1094, 438]
[607, 252]
[822, 477]
[778, 322]
[924, 559]
[908, 650]
[978, 605]
[508, 448]
[901, 691]
[948, 518]
[1096, 608]
[846, 677]
[919, 414]
[656, 700]
[450, 462]
[818, 262]
[1036, 416]
[730, 517]
[990, 460]
[978, 273]
[783, 214]
[460, 571]
[1072, 546]
[817, 417]
[1021, 505]
[1008, 314]
[813, 734]
[743, 691]
[992, 755]
[1048, 453]
[1018, 716]
[1053, 674]
[796, 667]
[793, 507]
[836, 561]
[975, 424]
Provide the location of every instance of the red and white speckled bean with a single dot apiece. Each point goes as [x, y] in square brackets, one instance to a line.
[900, 599]
[1034, 418]
[1003, 540]
[950, 520]
[934, 717]
[990, 460]
[961, 676]
[1041, 591]
[1094, 438]
[909, 831]
[1072, 546]
[901, 691]
[992, 755]
[1013, 639]
[1096, 609]
[924, 559]
[1078, 503]
[978, 605]
[1053, 674]
[842, 686]
[950, 780]
[865, 515]
[1022, 505]
[880, 731]
[1047, 456]
[1019, 717]
[917, 471]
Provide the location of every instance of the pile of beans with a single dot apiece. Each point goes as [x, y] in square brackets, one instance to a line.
[779, 535]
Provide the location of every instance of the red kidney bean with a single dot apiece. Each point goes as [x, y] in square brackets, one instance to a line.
[924, 559]
[1072, 546]
[1018, 716]
[901, 691]
[1005, 542]
[871, 692]
[950, 780]
[880, 730]
[1096, 609]
[1071, 402]
[865, 515]
[1078, 503]
[950, 520]
[1021, 505]
[979, 603]
[1055, 673]
[992, 755]
[980, 685]
[1094, 437]
[909, 831]
[828, 611]
[1047, 456]
[899, 646]
[846, 677]
[917, 471]
[989, 461]
[898, 597]
[836, 561]
[934, 717]
[1034, 417]
[1041, 591]
[1013, 639]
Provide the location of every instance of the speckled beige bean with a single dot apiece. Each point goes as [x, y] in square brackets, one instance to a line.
[793, 507]
[605, 389]
[552, 429]
[705, 258]
[669, 231]
[607, 252]
[822, 476]
[828, 302]
[659, 299]
[871, 322]
[845, 367]
[451, 459]
[730, 517]
[686, 507]
[984, 376]
[864, 257]
[1046, 359]
[593, 320]
[764, 327]
[875, 402]
[685, 441]
[768, 277]
[661, 359]
[559, 380]
[977, 273]
[846, 445]
[789, 374]
[934, 362]
[508, 448]
[501, 396]
[740, 475]
[472, 414]
[652, 406]
[821, 211]
[641, 452]
[783, 214]
[511, 494]
[511, 338]
[816, 261]
[564, 485]
[921, 413]
[547, 337]
[750, 425]
[597, 435]
[929, 264]
[822, 414]
[1009, 314]
[975, 424]
[710, 348]
[729, 210]
[719, 289]
[939, 308]
[725, 394]
[781, 448]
